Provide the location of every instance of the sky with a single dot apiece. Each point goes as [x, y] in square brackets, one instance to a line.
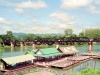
[48, 16]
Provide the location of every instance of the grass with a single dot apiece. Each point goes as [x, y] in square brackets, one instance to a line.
[88, 71]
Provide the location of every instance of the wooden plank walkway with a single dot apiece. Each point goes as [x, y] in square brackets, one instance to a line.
[71, 61]
[92, 55]
[78, 58]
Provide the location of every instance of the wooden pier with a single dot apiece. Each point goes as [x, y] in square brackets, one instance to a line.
[92, 55]
[71, 61]
[64, 64]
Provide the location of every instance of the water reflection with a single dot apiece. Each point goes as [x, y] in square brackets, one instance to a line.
[1, 52]
[12, 49]
[92, 63]
[22, 49]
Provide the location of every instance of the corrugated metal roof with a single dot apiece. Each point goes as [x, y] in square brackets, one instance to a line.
[69, 50]
[18, 59]
[47, 52]
[47, 55]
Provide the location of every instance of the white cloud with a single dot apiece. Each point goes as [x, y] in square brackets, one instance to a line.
[61, 21]
[63, 17]
[37, 27]
[4, 21]
[94, 10]
[74, 4]
[19, 10]
[97, 2]
[28, 4]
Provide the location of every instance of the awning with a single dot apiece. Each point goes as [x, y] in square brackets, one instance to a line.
[18, 59]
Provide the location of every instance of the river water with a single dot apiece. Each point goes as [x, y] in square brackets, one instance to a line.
[95, 63]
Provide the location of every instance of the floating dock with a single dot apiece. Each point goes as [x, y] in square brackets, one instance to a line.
[71, 61]
[92, 55]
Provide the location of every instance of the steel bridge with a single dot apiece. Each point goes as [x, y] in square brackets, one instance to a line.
[53, 40]
[50, 41]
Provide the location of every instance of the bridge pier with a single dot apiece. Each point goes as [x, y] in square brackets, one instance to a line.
[12, 44]
[34, 45]
[12, 49]
[89, 47]
[57, 45]
[21, 44]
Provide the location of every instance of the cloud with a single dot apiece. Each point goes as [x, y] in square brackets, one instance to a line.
[37, 27]
[27, 4]
[61, 21]
[93, 9]
[62, 17]
[97, 2]
[4, 21]
[74, 4]
[19, 10]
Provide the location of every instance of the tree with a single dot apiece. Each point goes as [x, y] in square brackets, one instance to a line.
[68, 32]
[47, 36]
[9, 33]
[90, 33]
[8, 36]
[82, 34]
[29, 37]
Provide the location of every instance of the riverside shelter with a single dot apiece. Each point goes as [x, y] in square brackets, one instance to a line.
[7, 63]
[46, 53]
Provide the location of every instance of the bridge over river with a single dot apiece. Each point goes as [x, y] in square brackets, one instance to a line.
[50, 41]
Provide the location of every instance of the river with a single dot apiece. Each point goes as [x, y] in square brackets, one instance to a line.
[8, 52]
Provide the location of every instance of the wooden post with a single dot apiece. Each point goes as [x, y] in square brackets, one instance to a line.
[21, 49]
[89, 47]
